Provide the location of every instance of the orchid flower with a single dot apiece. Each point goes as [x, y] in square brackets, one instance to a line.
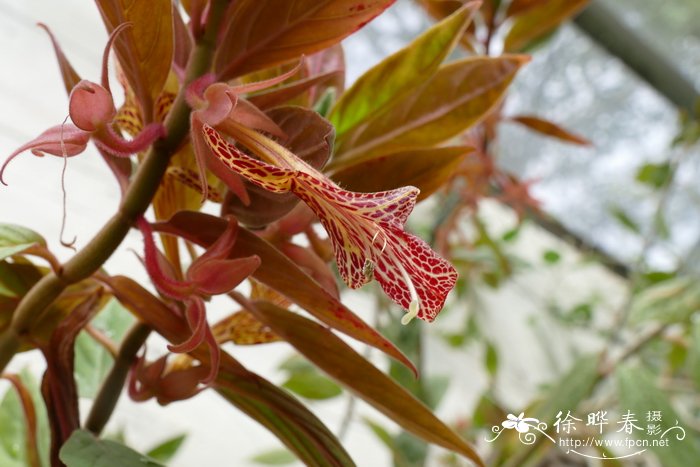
[218, 105]
[212, 273]
[366, 229]
[92, 111]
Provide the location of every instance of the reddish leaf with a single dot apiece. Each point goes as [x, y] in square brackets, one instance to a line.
[274, 408]
[280, 95]
[263, 33]
[539, 20]
[280, 273]
[58, 386]
[518, 7]
[426, 169]
[342, 363]
[145, 50]
[68, 73]
[548, 128]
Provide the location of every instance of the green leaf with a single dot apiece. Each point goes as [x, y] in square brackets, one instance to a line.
[260, 34]
[401, 73]
[654, 175]
[13, 429]
[551, 257]
[624, 219]
[167, 449]
[15, 239]
[381, 433]
[92, 361]
[574, 386]
[458, 96]
[342, 363]
[274, 457]
[426, 169]
[435, 389]
[670, 301]
[538, 21]
[694, 353]
[638, 394]
[491, 359]
[312, 385]
[84, 450]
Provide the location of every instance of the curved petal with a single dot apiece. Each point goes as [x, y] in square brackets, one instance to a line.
[61, 140]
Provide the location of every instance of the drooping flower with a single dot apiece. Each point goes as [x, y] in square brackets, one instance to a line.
[212, 273]
[366, 229]
[92, 111]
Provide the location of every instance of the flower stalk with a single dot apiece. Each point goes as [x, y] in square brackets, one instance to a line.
[137, 198]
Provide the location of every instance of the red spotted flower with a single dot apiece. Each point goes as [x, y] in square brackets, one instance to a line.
[366, 229]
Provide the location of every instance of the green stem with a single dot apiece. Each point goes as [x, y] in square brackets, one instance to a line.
[111, 388]
[136, 200]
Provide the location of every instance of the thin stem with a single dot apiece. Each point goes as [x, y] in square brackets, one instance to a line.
[111, 389]
[102, 339]
[137, 198]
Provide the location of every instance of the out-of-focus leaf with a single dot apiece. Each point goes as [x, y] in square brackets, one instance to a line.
[548, 128]
[638, 394]
[145, 50]
[491, 359]
[312, 385]
[15, 238]
[259, 34]
[671, 301]
[242, 328]
[82, 449]
[381, 433]
[551, 257]
[92, 361]
[570, 390]
[274, 457]
[13, 431]
[167, 449]
[540, 20]
[624, 219]
[426, 169]
[654, 175]
[435, 389]
[517, 7]
[341, 362]
[400, 73]
[694, 353]
[274, 408]
[279, 273]
[17, 278]
[456, 97]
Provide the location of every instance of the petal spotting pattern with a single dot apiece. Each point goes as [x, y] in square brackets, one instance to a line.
[366, 229]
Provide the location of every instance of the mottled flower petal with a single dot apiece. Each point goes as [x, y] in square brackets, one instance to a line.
[366, 229]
